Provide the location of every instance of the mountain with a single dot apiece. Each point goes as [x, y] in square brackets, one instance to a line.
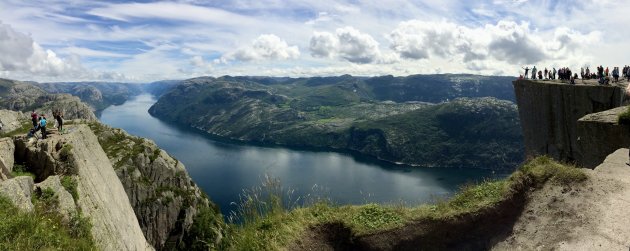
[99, 95]
[22, 96]
[350, 113]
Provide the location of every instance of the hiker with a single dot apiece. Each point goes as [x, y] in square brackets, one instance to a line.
[606, 71]
[572, 79]
[34, 119]
[540, 75]
[59, 117]
[42, 125]
[587, 73]
[546, 77]
[554, 73]
[615, 74]
[526, 71]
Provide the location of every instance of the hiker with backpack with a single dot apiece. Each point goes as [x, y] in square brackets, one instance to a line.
[42, 125]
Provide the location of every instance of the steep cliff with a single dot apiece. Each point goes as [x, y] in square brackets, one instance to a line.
[101, 196]
[165, 199]
[549, 113]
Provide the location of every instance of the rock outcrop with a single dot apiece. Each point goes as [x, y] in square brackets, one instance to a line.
[67, 206]
[102, 197]
[19, 191]
[7, 149]
[164, 197]
[11, 120]
[549, 113]
[600, 134]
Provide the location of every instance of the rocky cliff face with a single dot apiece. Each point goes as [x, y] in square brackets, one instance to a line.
[164, 197]
[549, 114]
[599, 134]
[102, 197]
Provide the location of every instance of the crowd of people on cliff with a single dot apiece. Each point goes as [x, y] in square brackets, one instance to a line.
[602, 75]
[40, 122]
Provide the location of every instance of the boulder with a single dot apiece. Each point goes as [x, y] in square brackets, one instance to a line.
[7, 150]
[11, 120]
[19, 191]
[67, 208]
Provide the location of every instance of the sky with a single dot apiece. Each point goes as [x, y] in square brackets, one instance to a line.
[143, 41]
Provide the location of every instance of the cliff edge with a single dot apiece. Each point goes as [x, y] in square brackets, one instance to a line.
[101, 196]
[549, 112]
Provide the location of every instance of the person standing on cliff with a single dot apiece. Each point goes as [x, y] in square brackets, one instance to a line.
[42, 125]
[534, 72]
[526, 71]
[34, 119]
[59, 118]
[554, 73]
[546, 71]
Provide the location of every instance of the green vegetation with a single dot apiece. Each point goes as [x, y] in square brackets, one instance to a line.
[20, 169]
[26, 125]
[356, 114]
[624, 118]
[43, 229]
[267, 225]
[65, 152]
[70, 184]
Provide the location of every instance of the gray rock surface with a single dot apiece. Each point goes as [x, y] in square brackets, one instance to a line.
[160, 190]
[19, 191]
[11, 120]
[549, 113]
[7, 149]
[599, 134]
[102, 197]
[67, 208]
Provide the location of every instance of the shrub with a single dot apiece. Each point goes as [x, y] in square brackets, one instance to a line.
[624, 118]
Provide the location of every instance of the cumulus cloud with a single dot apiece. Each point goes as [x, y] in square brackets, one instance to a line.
[347, 43]
[505, 41]
[21, 54]
[265, 47]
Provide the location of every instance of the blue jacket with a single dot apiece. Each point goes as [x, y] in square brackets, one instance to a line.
[42, 122]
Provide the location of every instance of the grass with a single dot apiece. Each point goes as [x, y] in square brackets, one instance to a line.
[21, 170]
[26, 125]
[70, 184]
[42, 229]
[65, 152]
[624, 117]
[265, 224]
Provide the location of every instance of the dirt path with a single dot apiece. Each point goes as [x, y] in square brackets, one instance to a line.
[591, 216]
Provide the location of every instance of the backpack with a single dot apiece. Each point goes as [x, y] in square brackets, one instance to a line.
[43, 122]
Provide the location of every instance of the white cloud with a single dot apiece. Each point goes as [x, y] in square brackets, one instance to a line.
[87, 52]
[264, 47]
[347, 43]
[170, 11]
[21, 54]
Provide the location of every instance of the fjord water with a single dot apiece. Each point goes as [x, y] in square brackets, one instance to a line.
[224, 169]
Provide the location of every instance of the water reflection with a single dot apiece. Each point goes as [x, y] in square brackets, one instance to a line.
[223, 169]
